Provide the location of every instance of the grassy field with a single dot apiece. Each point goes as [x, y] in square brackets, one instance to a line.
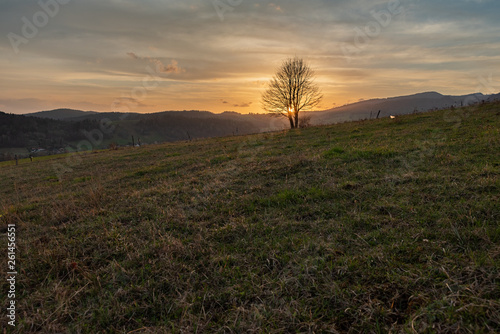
[380, 226]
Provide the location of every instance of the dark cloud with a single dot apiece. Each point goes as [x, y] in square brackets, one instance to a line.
[101, 49]
[173, 67]
[132, 55]
[243, 105]
[130, 101]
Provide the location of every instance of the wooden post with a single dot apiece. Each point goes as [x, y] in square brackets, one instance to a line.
[133, 141]
[378, 113]
[15, 157]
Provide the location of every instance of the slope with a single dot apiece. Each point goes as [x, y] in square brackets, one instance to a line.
[56, 135]
[374, 226]
[400, 105]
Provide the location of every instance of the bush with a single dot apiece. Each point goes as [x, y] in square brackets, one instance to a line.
[305, 122]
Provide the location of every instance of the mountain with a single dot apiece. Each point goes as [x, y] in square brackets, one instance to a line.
[494, 97]
[400, 105]
[31, 133]
[61, 114]
[59, 130]
[54, 130]
[263, 122]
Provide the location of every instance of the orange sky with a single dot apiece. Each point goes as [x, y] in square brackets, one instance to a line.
[156, 55]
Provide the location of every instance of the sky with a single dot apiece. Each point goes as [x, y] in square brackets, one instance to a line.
[218, 55]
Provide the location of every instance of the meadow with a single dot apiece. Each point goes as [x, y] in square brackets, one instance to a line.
[388, 225]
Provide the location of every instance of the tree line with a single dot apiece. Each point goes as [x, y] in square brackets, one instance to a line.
[33, 132]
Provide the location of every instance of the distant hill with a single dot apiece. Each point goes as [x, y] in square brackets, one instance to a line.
[252, 122]
[493, 98]
[400, 105]
[54, 130]
[61, 114]
[31, 133]
[394, 106]
[53, 135]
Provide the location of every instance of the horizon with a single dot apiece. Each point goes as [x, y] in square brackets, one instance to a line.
[218, 56]
[233, 111]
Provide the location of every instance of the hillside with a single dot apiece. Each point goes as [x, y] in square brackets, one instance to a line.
[69, 130]
[400, 105]
[62, 114]
[379, 226]
[34, 132]
[63, 129]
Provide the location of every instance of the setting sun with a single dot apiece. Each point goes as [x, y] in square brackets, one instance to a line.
[250, 166]
[204, 56]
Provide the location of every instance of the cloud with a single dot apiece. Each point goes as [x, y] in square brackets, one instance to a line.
[130, 102]
[243, 105]
[173, 67]
[126, 104]
[432, 45]
[275, 7]
[238, 105]
[132, 55]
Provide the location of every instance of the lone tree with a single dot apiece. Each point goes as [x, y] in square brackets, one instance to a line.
[292, 90]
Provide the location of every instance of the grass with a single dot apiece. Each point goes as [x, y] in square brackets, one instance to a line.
[375, 226]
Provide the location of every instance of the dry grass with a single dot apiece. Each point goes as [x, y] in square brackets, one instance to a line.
[373, 227]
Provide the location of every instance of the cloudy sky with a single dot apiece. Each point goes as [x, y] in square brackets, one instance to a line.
[217, 55]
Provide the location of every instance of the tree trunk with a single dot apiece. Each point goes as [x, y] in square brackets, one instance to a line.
[296, 120]
[291, 122]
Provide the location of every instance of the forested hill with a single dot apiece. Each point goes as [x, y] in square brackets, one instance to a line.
[34, 132]
[61, 114]
[56, 135]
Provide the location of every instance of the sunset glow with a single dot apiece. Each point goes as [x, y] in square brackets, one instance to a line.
[156, 55]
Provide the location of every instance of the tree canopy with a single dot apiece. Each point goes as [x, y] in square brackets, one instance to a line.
[292, 90]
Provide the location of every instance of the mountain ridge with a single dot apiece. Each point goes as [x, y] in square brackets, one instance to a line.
[393, 106]
[61, 113]
[396, 105]
[55, 130]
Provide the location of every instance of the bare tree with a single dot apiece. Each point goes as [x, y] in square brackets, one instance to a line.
[291, 90]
